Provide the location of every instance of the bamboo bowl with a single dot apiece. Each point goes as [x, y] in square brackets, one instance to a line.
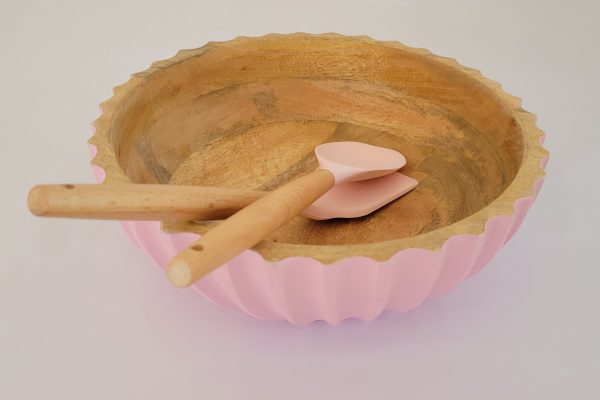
[248, 113]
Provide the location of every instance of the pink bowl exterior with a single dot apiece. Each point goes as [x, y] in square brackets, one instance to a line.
[302, 290]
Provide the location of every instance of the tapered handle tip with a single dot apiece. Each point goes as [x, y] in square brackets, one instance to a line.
[37, 201]
[179, 273]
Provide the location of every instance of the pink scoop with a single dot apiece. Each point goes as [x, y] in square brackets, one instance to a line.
[365, 180]
[340, 162]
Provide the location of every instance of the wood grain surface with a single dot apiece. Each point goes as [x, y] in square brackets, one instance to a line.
[248, 113]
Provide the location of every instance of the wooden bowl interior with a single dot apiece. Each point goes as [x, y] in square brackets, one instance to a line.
[248, 114]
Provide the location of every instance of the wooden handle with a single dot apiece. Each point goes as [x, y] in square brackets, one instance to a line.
[138, 201]
[247, 227]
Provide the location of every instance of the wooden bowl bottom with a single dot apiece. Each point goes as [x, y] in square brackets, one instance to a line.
[261, 134]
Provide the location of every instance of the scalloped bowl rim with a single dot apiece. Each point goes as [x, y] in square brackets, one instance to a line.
[525, 184]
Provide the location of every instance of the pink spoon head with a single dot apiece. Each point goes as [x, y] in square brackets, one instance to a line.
[355, 161]
[356, 199]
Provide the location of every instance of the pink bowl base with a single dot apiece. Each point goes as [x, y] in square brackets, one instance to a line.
[302, 290]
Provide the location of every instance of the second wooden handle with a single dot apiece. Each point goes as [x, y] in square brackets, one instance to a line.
[247, 227]
[138, 201]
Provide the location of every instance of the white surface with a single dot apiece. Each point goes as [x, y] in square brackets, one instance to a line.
[85, 315]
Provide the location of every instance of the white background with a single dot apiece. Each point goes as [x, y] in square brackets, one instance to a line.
[84, 314]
